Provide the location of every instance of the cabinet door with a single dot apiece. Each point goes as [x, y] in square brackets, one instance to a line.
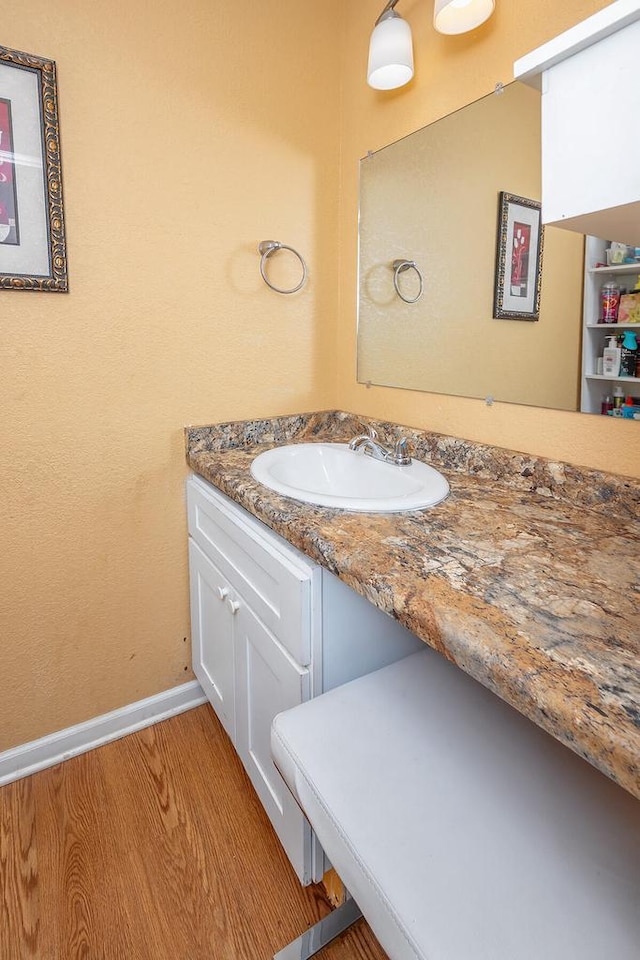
[212, 635]
[586, 185]
[269, 681]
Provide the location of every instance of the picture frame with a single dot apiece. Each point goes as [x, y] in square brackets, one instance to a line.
[32, 234]
[519, 248]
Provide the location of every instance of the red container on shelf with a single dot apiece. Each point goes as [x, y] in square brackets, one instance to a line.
[607, 405]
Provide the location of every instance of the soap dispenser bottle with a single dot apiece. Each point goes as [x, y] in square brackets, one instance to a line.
[611, 357]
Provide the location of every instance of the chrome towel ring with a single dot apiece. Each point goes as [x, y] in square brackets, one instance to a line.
[265, 249]
[399, 266]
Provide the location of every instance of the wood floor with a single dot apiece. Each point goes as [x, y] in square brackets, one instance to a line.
[151, 848]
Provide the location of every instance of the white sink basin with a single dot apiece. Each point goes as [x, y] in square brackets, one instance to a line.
[331, 475]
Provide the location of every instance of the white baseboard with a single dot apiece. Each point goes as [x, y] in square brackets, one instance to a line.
[38, 754]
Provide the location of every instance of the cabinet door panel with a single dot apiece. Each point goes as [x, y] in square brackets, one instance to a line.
[212, 636]
[271, 682]
[587, 185]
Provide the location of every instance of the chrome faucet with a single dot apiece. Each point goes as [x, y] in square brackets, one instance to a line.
[369, 444]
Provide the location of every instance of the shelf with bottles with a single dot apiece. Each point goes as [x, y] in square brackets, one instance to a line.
[596, 386]
[623, 278]
[600, 392]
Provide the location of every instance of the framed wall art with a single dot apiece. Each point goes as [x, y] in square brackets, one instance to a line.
[32, 238]
[518, 259]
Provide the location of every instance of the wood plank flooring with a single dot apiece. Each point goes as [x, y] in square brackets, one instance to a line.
[154, 847]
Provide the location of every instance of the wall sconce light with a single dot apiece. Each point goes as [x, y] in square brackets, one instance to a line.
[391, 45]
[459, 16]
[390, 51]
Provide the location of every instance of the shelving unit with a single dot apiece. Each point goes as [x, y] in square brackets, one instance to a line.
[594, 386]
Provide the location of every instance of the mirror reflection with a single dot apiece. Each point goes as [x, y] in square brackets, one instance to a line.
[430, 201]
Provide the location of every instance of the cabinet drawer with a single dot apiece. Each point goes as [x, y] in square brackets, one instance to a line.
[275, 581]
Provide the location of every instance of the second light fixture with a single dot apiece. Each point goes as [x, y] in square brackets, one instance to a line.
[391, 47]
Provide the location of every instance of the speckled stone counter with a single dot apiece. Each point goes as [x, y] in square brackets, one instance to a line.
[527, 576]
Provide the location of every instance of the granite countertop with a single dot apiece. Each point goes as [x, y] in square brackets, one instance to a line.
[527, 576]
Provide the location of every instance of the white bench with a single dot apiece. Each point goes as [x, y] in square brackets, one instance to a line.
[462, 831]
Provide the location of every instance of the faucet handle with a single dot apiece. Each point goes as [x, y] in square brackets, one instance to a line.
[372, 433]
[401, 452]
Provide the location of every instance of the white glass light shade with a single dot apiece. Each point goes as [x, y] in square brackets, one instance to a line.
[390, 54]
[458, 16]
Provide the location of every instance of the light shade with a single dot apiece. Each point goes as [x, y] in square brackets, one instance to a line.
[458, 16]
[390, 53]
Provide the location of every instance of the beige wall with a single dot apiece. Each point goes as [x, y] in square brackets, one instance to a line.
[451, 71]
[189, 133]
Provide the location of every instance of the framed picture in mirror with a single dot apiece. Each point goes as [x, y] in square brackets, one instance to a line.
[518, 259]
[32, 238]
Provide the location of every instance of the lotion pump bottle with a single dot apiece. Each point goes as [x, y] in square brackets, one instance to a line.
[611, 358]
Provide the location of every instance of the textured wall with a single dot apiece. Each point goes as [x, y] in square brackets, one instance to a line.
[187, 136]
[452, 71]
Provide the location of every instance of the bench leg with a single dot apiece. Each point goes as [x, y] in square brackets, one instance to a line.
[321, 933]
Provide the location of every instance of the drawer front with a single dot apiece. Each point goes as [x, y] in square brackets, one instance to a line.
[275, 582]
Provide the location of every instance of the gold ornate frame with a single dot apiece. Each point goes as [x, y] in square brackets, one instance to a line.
[56, 281]
[507, 203]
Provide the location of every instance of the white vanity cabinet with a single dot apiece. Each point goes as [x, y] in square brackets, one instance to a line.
[590, 139]
[271, 629]
[251, 621]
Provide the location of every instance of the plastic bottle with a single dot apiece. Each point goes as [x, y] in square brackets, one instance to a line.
[618, 397]
[629, 354]
[609, 302]
[611, 357]
[607, 405]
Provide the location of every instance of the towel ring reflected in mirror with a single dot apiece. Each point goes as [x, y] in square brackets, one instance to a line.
[400, 266]
[266, 248]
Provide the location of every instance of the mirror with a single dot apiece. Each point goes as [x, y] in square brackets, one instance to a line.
[432, 199]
